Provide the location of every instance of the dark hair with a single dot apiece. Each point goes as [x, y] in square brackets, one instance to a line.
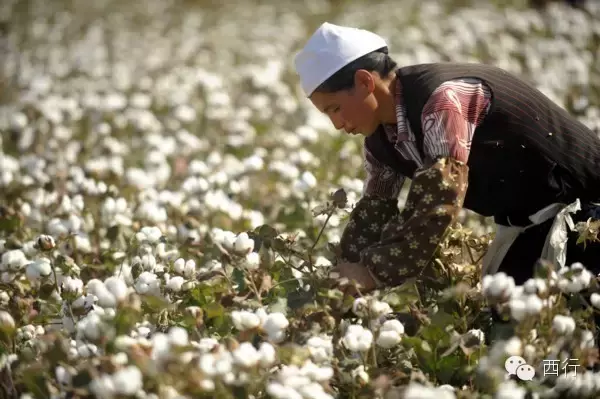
[377, 61]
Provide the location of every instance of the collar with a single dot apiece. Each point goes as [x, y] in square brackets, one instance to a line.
[397, 132]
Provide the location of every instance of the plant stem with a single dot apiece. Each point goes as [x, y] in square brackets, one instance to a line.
[55, 278]
[374, 355]
[310, 265]
[255, 290]
[287, 281]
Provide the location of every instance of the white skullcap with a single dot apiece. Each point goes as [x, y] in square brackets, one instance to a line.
[331, 48]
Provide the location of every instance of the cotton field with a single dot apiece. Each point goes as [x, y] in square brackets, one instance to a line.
[170, 207]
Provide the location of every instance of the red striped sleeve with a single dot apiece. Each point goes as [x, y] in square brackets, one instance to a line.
[450, 117]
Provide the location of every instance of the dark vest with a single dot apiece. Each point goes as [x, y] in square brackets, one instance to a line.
[527, 153]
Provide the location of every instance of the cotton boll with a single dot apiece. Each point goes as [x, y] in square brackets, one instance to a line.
[579, 281]
[82, 244]
[4, 298]
[498, 286]
[535, 286]
[224, 364]
[178, 336]
[149, 234]
[252, 261]
[103, 386]
[189, 268]
[267, 354]
[148, 262]
[280, 391]
[243, 244]
[313, 390]
[117, 287]
[84, 302]
[595, 299]
[393, 325]
[147, 284]
[206, 363]
[315, 372]
[128, 380]
[13, 260]
[357, 338]
[6, 320]
[564, 325]
[379, 308]
[105, 298]
[90, 327]
[277, 336]
[360, 307]
[46, 242]
[246, 355]
[525, 306]
[228, 240]
[275, 325]
[243, 320]
[320, 348]
[513, 347]
[306, 182]
[38, 269]
[388, 339]
[62, 376]
[510, 390]
[72, 285]
[175, 283]
[179, 266]
[587, 340]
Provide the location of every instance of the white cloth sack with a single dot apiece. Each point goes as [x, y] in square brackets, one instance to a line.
[555, 247]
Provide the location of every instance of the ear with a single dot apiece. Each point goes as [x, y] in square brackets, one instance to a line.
[364, 81]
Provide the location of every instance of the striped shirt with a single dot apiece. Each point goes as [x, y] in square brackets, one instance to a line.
[449, 119]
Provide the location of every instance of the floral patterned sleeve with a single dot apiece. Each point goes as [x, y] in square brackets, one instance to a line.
[408, 242]
[374, 210]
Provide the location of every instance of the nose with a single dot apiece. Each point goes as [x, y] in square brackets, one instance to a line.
[339, 123]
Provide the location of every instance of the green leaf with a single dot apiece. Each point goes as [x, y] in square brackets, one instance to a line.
[297, 299]
[403, 295]
[10, 224]
[442, 319]
[155, 304]
[240, 279]
[434, 334]
[447, 368]
[280, 305]
[35, 381]
[213, 310]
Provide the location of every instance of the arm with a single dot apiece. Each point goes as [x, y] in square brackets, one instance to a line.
[378, 205]
[437, 192]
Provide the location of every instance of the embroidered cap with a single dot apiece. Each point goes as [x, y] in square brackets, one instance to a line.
[331, 48]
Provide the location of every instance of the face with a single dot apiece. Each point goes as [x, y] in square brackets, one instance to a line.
[353, 110]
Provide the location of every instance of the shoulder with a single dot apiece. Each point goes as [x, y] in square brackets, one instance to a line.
[464, 84]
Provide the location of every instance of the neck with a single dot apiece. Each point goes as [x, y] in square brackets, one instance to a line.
[387, 101]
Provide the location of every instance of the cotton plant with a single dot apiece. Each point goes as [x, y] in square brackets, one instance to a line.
[159, 220]
[274, 324]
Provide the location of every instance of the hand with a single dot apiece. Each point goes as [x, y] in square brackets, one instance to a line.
[347, 274]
